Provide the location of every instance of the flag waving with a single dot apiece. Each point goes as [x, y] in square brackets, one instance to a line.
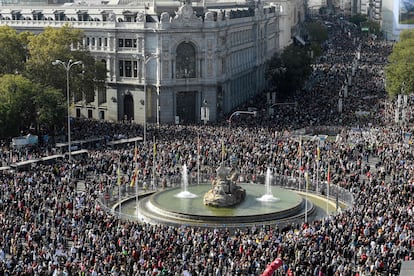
[134, 177]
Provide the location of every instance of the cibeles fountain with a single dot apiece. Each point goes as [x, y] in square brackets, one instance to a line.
[224, 191]
[221, 203]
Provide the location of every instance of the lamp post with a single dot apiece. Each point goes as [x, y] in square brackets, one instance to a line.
[68, 65]
[237, 113]
[145, 58]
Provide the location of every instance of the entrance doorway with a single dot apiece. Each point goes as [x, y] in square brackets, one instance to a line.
[128, 108]
[186, 107]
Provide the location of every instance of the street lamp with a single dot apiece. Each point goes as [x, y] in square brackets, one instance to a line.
[68, 65]
[145, 58]
[237, 113]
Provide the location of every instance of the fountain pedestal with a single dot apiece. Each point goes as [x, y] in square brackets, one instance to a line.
[225, 192]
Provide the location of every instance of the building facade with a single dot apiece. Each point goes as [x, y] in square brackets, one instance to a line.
[170, 62]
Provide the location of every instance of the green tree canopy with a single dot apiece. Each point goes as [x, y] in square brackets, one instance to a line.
[31, 86]
[51, 109]
[64, 44]
[289, 71]
[399, 73]
[17, 110]
[358, 19]
[12, 51]
[24, 104]
[317, 32]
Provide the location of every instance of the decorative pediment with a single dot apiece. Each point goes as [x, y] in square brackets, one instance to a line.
[185, 16]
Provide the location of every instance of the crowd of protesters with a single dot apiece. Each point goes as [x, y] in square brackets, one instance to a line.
[50, 228]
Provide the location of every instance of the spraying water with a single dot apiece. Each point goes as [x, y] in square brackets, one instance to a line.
[268, 196]
[184, 185]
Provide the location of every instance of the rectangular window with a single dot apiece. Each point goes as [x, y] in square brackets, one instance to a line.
[121, 68]
[89, 113]
[128, 43]
[88, 41]
[104, 17]
[135, 69]
[128, 69]
[78, 113]
[120, 43]
[93, 41]
[99, 42]
[102, 115]
[134, 43]
[37, 16]
[101, 94]
[106, 42]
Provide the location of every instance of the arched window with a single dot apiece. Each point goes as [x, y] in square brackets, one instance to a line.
[185, 66]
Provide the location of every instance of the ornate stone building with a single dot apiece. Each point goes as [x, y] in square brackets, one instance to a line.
[169, 61]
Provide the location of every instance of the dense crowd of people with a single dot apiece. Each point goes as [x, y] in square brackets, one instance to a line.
[50, 228]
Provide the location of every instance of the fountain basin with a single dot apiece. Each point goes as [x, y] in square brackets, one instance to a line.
[163, 207]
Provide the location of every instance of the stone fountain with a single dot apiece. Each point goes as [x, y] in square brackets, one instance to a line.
[224, 191]
[220, 203]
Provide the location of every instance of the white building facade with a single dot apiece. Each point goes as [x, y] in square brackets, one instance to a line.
[168, 62]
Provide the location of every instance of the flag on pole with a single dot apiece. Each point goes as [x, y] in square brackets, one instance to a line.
[318, 153]
[300, 147]
[155, 149]
[118, 173]
[134, 177]
[135, 154]
[328, 177]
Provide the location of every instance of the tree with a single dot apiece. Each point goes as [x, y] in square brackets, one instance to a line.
[289, 71]
[358, 19]
[399, 73]
[17, 110]
[51, 109]
[31, 87]
[12, 51]
[318, 34]
[24, 104]
[64, 44]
